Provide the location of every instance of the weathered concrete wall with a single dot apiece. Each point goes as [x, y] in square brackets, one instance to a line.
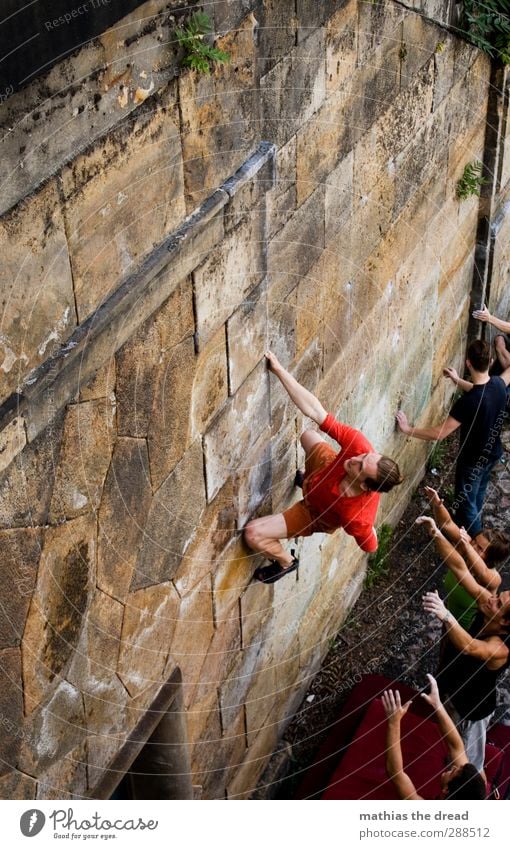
[132, 460]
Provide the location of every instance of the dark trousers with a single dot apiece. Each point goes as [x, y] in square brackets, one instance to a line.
[470, 487]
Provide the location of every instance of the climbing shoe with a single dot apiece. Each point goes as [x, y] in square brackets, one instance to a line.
[273, 572]
[298, 480]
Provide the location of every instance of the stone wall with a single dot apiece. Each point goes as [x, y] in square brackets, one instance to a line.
[167, 250]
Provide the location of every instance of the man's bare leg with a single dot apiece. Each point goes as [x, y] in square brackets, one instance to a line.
[264, 535]
[309, 440]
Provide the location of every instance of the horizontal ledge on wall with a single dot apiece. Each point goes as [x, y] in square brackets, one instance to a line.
[49, 387]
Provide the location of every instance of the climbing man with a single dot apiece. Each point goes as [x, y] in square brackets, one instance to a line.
[340, 490]
[479, 413]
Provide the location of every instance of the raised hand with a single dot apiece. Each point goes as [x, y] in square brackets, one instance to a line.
[272, 360]
[432, 495]
[393, 707]
[433, 698]
[402, 422]
[482, 315]
[435, 605]
[451, 373]
[429, 524]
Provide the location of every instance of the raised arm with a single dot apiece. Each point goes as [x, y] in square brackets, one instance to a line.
[435, 433]
[303, 399]
[448, 730]
[465, 385]
[488, 578]
[485, 316]
[454, 560]
[394, 762]
[441, 515]
[492, 650]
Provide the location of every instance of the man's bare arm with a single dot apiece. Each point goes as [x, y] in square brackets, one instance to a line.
[303, 399]
[488, 578]
[394, 762]
[485, 316]
[492, 651]
[454, 560]
[430, 434]
[442, 515]
[465, 385]
[446, 724]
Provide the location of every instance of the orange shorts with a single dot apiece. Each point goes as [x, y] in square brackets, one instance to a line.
[299, 520]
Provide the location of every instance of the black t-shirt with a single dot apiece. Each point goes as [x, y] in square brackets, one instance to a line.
[467, 681]
[481, 413]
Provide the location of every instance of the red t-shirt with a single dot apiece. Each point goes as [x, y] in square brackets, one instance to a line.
[355, 514]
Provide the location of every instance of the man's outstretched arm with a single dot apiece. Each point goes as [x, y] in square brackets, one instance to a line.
[303, 399]
[451, 736]
[395, 710]
[429, 434]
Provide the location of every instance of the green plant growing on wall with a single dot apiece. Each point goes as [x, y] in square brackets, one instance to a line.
[471, 181]
[402, 53]
[199, 54]
[487, 25]
[379, 561]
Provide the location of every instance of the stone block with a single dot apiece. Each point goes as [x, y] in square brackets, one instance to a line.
[294, 89]
[150, 618]
[252, 480]
[108, 723]
[125, 502]
[59, 605]
[245, 779]
[256, 612]
[284, 464]
[281, 199]
[261, 698]
[178, 504]
[122, 198]
[419, 41]
[213, 145]
[192, 636]
[222, 282]
[276, 33]
[321, 143]
[223, 653]
[17, 785]
[11, 708]
[37, 302]
[210, 383]
[13, 439]
[141, 355]
[169, 433]
[19, 557]
[95, 658]
[215, 529]
[420, 160]
[102, 384]
[66, 779]
[233, 689]
[225, 754]
[379, 26]
[88, 436]
[26, 486]
[236, 429]
[281, 325]
[339, 198]
[296, 247]
[341, 45]
[234, 571]
[246, 334]
[444, 67]
[206, 757]
[53, 731]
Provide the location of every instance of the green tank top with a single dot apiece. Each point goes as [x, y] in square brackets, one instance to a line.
[458, 601]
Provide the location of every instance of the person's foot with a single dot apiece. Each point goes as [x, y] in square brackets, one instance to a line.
[298, 480]
[274, 571]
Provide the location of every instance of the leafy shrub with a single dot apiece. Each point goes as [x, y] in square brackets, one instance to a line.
[487, 25]
[199, 54]
[471, 181]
